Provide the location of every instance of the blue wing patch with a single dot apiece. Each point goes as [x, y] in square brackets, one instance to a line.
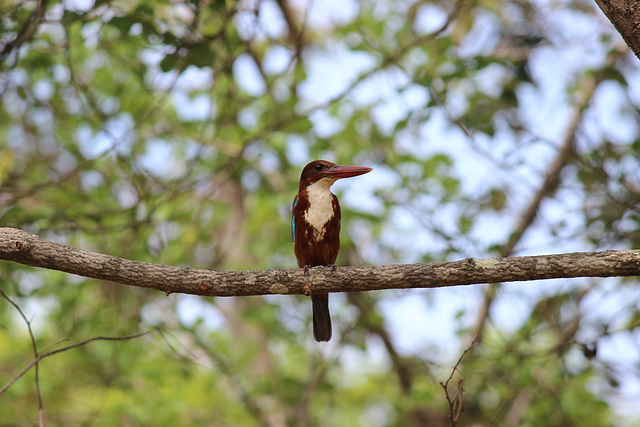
[293, 221]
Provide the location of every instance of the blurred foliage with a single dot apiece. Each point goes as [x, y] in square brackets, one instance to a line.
[175, 132]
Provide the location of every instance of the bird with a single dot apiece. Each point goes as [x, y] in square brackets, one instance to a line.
[315, 229]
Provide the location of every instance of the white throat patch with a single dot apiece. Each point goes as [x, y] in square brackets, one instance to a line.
[320, 208]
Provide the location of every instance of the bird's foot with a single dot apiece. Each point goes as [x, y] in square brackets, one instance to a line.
[306, 270]
[333, 268]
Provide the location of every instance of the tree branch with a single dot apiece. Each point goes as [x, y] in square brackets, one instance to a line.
[625, 16]
[34, 347]
[60, 350]
[26, 32]
[29, 249]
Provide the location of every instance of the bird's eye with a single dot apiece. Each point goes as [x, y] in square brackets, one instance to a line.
[318, 167]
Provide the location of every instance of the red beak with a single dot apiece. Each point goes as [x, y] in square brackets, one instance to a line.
[342, 171]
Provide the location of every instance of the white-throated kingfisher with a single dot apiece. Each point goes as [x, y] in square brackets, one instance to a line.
[315, 228]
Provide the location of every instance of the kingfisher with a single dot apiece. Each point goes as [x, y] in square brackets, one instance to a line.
[315, 228]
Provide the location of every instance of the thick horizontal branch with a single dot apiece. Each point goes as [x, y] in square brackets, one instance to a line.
[26, 248]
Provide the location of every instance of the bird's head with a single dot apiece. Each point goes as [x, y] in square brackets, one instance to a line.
[319, 170]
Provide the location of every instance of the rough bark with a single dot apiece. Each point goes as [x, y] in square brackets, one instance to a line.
[625, 16]
[26, 248]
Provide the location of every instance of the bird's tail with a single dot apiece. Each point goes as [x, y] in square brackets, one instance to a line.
[321, 317]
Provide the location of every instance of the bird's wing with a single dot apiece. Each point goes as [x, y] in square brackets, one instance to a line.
[293, 220]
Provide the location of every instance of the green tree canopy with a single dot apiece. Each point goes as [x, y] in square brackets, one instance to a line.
[175, 133]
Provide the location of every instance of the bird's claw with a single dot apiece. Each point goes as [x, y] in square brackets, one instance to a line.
[306, 270]
[333, 268]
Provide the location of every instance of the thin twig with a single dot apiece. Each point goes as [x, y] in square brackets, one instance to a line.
[26, 32]
[504, 403]
[455, 401]
[35, 354]
[69, 347]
